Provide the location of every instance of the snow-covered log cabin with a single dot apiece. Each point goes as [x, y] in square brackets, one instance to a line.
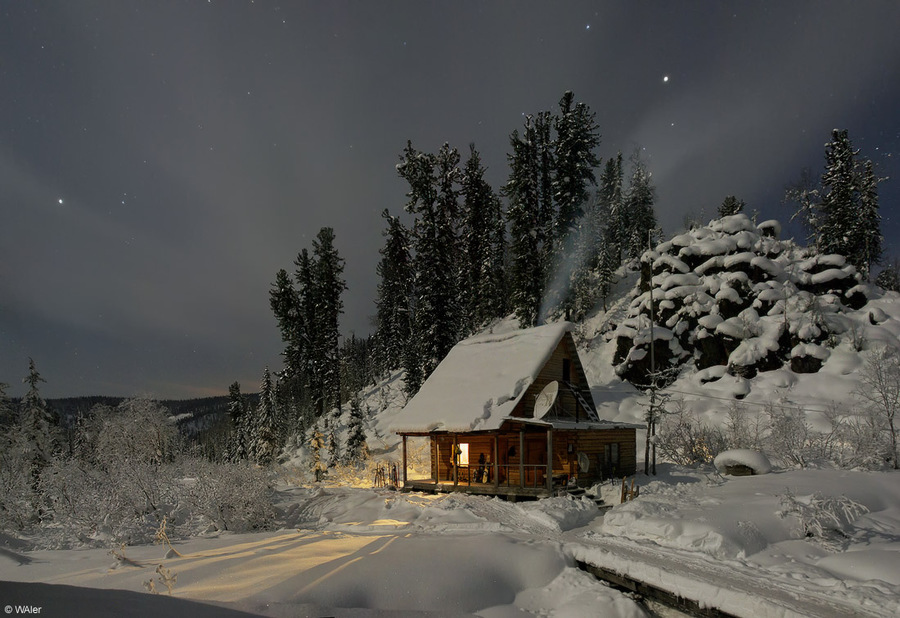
[512, 414]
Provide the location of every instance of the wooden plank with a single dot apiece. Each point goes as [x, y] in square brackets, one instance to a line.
[549, 460]
[496, 461]
[404, 460]
[522, 458]
[626, 583]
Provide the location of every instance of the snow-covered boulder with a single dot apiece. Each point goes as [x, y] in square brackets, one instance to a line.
[729, 461]
[731, 293]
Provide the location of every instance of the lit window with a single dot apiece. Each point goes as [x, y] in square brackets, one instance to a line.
[464, 454]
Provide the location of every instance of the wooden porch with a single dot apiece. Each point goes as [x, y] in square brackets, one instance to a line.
[482, 489]
[497, 463]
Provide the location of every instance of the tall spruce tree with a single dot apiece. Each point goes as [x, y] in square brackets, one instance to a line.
[614, 233]
[36, 421]
[577, 137]
[394, 296]
[433, 198]
[639, 201]
[840, 197]
[496, 299]
[526, 273]
[482, 230]
[237, 414]
[284, 301]
[868, 240]
[328, 284]
[355, 450]
[544, 146]
[266, 435]
[306, 385]
[294, 305]
[612, 202]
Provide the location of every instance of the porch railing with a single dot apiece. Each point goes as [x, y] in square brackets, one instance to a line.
[533, 475]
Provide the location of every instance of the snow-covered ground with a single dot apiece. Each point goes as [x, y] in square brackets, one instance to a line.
[735, 542]
[341, 551]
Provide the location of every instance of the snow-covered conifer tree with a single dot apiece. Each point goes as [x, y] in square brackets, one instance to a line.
[545, 161]
[840, 197]
[526, 274]
[577, 137]
[433, 197]
[395, 290]
[612, 202]
[481, 222]
[237, 413]
[412, 365]
[266, 439]
[889, 277]
[868, 241]
[329, 285]
[639, 207]
[731, 206]
[36, 421]
[355, 449]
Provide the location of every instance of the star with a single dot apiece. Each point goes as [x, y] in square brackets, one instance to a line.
[60, 201]
[665, 79]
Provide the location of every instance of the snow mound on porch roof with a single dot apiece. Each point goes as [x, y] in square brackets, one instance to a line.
[480, 381]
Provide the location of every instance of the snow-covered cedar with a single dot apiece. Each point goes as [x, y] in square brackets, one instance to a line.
[754, 460]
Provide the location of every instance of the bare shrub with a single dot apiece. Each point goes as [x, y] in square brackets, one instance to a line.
[684, 439]
[880, 394]
[790, 436]
[17, 496]
[744, 428]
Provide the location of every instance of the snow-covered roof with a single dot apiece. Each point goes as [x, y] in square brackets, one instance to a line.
[480, 381]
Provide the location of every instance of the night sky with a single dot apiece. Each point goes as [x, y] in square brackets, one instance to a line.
[160, 161]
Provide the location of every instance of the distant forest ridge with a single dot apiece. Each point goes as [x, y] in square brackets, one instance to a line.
[73, 407]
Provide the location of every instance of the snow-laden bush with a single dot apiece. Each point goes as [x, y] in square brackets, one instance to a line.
[819, 516]
[17, 509]
[85, 503]
[126, 474]
[236, 497]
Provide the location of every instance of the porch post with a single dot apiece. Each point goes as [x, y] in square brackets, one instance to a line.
[550, 460]
[496, 462]
[522, 458]
[404, 460]
[455, 459]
